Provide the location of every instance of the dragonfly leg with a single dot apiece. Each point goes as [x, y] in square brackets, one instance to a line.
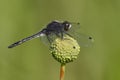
[61, 35]
[49, 39]
[68, 34]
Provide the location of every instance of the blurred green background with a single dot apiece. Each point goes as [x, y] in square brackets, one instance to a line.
[32, 61]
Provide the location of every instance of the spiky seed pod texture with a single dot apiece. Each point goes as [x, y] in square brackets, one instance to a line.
[65, 50]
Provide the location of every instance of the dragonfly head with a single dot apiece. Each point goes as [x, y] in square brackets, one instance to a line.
[67, 25]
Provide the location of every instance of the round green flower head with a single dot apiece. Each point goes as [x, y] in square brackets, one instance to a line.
[65, 50]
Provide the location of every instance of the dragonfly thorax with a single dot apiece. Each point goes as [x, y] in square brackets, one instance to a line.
[57, 27]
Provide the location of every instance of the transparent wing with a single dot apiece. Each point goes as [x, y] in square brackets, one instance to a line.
[47, 40]
[83, 39]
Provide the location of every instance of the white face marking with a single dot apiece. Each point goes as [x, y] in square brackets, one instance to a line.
[70, 26]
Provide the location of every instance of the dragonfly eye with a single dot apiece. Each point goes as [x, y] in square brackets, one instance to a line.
[66, 25]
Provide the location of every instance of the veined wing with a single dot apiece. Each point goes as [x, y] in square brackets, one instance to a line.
[83, 39]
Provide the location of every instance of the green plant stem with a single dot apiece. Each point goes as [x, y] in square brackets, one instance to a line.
[62, 71]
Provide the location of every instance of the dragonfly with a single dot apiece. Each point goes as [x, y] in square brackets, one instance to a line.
[59, 29]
